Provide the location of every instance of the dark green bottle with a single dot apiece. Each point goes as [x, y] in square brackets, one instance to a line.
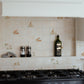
[58, 47]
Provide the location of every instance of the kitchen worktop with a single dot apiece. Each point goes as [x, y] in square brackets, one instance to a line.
[36, 63]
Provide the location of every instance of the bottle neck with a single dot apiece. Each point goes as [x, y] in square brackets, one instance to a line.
[57, 38]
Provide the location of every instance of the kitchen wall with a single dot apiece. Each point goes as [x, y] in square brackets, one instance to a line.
[80, 38]
[40, 33]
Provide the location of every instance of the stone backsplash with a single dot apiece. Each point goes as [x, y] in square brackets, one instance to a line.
[40, 33]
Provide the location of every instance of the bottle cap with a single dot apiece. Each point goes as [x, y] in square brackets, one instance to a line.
[22, 47]
[27, 47]
[57, 36]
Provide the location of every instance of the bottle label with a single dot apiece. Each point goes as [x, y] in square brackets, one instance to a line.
[22, 52]
[58, 49]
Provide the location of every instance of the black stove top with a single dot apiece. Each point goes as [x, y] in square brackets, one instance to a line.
[69, 76]
[42, 74]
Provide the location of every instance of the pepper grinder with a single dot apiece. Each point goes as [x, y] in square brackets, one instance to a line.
[22, 51]
[28, 51]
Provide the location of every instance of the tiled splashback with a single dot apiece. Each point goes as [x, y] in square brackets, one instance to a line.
[39, 33]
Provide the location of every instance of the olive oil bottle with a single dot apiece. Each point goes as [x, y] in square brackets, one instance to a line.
[58, 47]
